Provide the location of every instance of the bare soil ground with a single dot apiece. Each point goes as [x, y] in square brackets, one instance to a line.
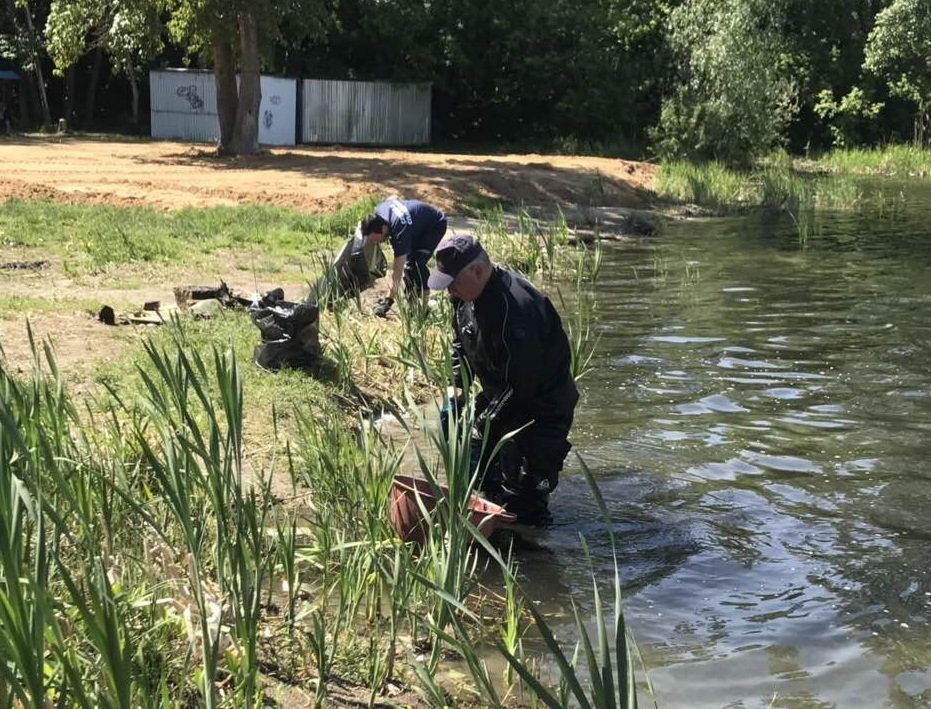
[170, 175]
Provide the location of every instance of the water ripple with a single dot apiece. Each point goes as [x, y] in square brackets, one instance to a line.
[717, 403]
[782, 463]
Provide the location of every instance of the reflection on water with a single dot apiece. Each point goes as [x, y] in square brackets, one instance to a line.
[758, 419]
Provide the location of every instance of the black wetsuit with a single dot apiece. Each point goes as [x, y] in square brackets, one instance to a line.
[511, 339]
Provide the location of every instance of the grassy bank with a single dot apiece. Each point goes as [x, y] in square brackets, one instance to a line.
[196, 532]
[98, 239]
[783, 183]
[774, 185]
[904, 161]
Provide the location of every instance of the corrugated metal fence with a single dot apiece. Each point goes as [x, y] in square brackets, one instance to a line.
[184, 105]
[365, 112]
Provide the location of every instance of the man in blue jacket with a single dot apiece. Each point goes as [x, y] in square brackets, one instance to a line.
[509, 337]
[414, 228]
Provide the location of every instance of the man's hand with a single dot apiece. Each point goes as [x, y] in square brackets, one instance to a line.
[382, 307]
[478, 427]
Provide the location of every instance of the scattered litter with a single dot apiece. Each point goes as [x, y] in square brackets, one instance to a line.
[198, 301]
[185, 296]
[148, 317]
[24, 265]
[107, 316]
[290, 331]
[206, 309]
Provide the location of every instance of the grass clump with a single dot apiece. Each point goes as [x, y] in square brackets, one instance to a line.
[775, 185]
[13, 306]
[710, 184]
[779, 182]
[906, 161]
[537, 248]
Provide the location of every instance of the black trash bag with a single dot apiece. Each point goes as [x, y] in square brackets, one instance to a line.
[283, 354]
[355, 268]
[185, 296]
[266, 300]
[290, 335]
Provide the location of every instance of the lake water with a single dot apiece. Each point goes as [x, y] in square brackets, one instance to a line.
[758, 420]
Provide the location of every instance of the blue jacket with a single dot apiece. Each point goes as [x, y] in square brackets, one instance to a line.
[413, 226]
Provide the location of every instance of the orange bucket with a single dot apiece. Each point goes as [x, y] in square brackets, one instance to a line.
[407, 518]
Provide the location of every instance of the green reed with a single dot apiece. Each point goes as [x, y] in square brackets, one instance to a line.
[65, 627]
[526, 244]
[174, 613]
[196, 459]
[604, 662]
[889, 160]
[512, 630]
[774, 185]
[579, 316]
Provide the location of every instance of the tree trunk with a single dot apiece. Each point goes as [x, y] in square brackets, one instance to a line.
[134, 86]
[30, 99]
[69, 96]
[37, 66]
[224, 70]
[925, 122]
[90, 105]
[246, 128]
[22, 94]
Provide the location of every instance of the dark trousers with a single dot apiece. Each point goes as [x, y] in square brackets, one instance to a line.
[416, 274]
[416, 271]
[526, 468]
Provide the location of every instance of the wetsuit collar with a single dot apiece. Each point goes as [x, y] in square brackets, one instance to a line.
[495, 285]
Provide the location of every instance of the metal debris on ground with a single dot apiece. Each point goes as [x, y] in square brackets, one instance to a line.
[25, 265]
[196, 301]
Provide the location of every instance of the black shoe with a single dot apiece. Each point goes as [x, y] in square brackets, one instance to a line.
[530, 508]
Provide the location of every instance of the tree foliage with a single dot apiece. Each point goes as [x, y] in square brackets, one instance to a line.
[899, 51]
[238, 37]
[128, 31]
[734, 97]
[849, 118]
[723, 79]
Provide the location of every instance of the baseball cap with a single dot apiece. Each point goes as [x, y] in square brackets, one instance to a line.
[452, 255]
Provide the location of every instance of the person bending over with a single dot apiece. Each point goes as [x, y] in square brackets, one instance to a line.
[414, 229]
[511, 339]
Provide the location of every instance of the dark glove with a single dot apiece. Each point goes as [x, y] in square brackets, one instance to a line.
[382, 307]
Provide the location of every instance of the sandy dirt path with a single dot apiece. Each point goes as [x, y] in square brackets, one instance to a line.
[170, 175]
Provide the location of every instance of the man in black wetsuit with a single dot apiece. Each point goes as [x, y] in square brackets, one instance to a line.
[509, 336]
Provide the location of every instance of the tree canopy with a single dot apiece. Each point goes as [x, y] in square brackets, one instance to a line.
[899, 51]
[722, 79]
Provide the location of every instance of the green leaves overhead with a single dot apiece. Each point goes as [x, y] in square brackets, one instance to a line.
[129, 31]
[735, 96]
[899, 51]
[702, 79]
